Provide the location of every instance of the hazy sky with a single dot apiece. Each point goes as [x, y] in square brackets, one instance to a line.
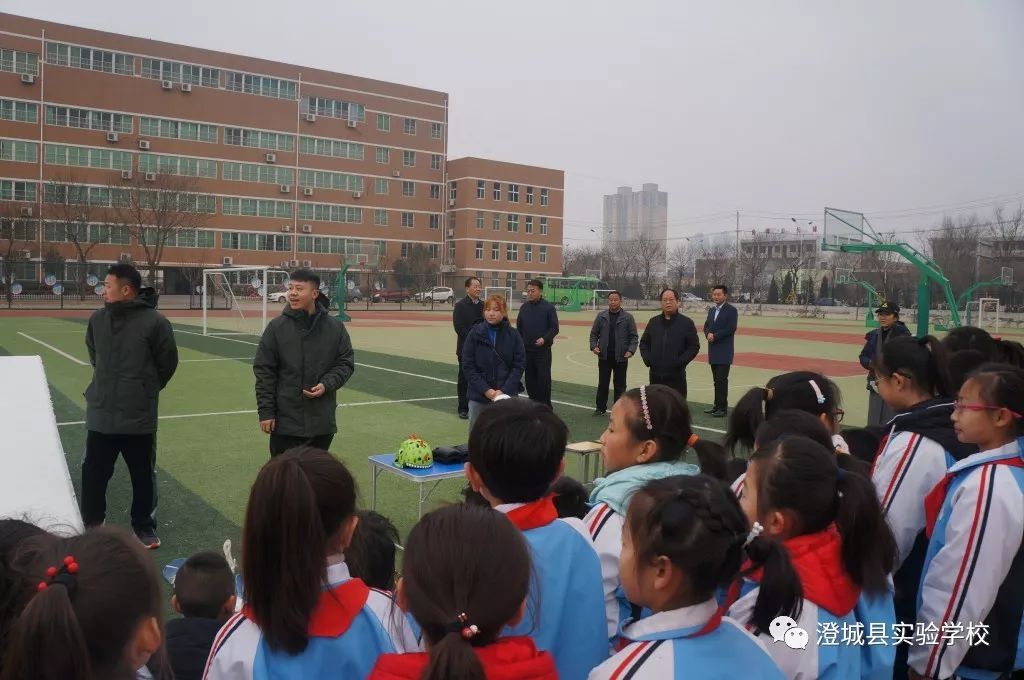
[774, 108]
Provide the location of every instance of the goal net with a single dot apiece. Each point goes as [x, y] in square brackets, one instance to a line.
[504, 291]
[984, 313]
[599, 298]
[235, 300]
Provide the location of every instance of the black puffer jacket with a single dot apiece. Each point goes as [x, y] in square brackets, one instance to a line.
[295, 353]
[133, 353]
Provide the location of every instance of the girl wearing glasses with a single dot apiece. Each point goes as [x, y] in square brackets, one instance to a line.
[974, 565]
[914, 456]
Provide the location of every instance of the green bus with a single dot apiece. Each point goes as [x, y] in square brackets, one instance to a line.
[572, 292]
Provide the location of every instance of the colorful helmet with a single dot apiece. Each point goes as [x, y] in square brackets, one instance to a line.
[414, 453]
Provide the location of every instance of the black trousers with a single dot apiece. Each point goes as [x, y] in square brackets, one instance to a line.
[605, 369]
[279, 443]
[101, 452]
[538, 375]
[462, 388]
[720, 374]
[676, 381]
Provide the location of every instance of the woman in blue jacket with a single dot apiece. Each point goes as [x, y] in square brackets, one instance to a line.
[493, 358]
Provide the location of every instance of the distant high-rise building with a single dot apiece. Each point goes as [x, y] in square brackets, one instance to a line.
[629, 214]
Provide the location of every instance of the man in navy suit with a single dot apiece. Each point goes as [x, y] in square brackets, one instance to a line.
[720, 330]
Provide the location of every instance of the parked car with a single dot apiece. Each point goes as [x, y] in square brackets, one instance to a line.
[828, 302]
[393, 295]
[278, 296]
[437, 294]
[690, 297]
[354, 295]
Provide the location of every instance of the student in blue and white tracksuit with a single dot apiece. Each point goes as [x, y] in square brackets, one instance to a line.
[516, 450]
[639, 445]
[304, 615]
[974, 567]
[685, 537]
[834, 533]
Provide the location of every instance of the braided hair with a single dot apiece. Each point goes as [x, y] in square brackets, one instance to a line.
[698, 525]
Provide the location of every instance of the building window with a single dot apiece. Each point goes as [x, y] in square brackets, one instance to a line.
[240, 172]
[497, 191]
[408, 189]
[85, 57]
[22, 112]
[529, 224]
[513, 223]
[13, 61]
[495, 251]
[383, 122]
[512, 252]
[325, 212]
[334, 108]
[435, 221]
[543, 197]
[11, 190]
[510, 280]
[435, 130]
[383, 154]
[89, 119]
[254, 207]
[193, 167]
[405, 250]
[409, 159]
[543, 254]
[176, 72]
[451, 252]
[543, 226]
[529, 195]
[435, 161]
[479, 250]
[435, 250]
[453, 190]
[383, 185]
[496, 221]
[410, 126]
[479, 219]
[261, 85]
[513, 193]
[380, 217]
[259, 139]
[495, 280]
[528, 253]
[408, 219]
[435, 192]
[318, 146]
[481, 188]
[28, 152]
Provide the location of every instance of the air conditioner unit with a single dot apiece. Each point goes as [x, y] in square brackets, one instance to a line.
[310, 117]
[451, 233]
[28, 78]
[351, 123]
[26, 212]
[112, 137]
[293, 263]
[144, 144]
[150, 176]
[308, 191]
[285, 263]
[286, 228]
[286, 188]
[451, 203]
[186, 87]
[126, 174]
[167, 84]
[307, 263]
[396, 173]
[307, 228]
[271, 157]
[357, 194]
[228, 261]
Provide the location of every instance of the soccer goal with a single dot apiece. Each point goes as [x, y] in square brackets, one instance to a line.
[599, 298]
[235, 300]
[504, 291]
[985, 313]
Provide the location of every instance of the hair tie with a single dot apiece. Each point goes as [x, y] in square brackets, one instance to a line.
[755, 531]
[692, 441]
[643, 405]
[65, 575]
[817, 392]
[463, 627]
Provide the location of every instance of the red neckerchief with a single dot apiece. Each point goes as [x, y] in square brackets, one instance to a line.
[539, 513]
[335, 611]
[937, 496]
[818, 561]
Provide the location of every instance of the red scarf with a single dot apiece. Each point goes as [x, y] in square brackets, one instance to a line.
[937, 496]
[818, 561]
[539, 513]
[336, 610]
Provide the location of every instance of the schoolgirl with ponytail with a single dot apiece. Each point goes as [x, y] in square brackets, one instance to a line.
[304, 615]
[684, 539]
[828, 519]
[463, 598]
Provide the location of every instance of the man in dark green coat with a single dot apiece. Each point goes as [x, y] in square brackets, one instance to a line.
[304, 358]
[133, 354]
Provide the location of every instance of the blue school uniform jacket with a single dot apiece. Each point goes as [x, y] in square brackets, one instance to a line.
[350, 628]
[691, 642]
[565, 609]
[974, 568]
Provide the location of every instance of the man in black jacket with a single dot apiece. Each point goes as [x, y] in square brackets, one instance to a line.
[889, 326]
[537, 323]
[304, 358]
[613, 338]
[468, 312]
[669, 344]
[133, 354]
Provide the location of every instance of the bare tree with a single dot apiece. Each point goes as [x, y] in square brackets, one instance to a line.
[753, 264]
[155, 211]
[71, 220]
[578, 259]
[955, 249]
[680, 263]
[649, 256]
[17, 238]
[714, 264]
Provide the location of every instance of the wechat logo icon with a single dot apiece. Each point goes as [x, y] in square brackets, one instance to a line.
[784, 629]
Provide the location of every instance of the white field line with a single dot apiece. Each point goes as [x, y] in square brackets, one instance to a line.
[58, 351]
